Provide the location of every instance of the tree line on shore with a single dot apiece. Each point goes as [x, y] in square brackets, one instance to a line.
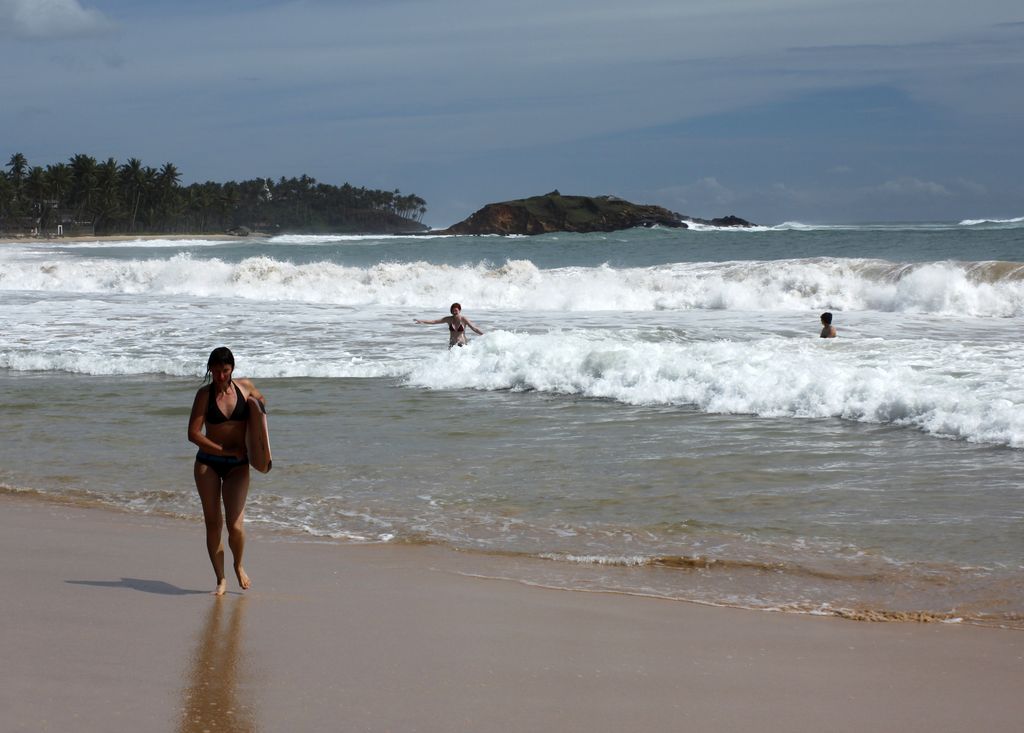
[108, 197]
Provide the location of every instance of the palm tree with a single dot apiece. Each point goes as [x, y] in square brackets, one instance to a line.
[167, 183]
[37, 189]
[150, 195]
[60, 179]
[17, 165]
[169, 176]
[229, 199]
[206, 199]
[83, 187]
[108, 200]
[133, 181]
[6, 197]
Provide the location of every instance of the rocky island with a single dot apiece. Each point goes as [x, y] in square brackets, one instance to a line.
[554, 212]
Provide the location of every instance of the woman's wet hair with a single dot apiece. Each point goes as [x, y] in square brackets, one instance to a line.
[454, 306]
[218, 357]
[826, 318]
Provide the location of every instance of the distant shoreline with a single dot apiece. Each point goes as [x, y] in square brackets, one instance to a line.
[212, 237]
[122, 238]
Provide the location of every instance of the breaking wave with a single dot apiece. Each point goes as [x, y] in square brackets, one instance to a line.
[949, 287]
[913, 383]
[976, 222]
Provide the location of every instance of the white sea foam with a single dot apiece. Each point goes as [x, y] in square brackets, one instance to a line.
[797, 226]
[951, 391]
[971, 390]
[697, 226]
[978, 289]
[975, 222]
[338, 238]
[140, 243]
[628, 561]
[103, 363]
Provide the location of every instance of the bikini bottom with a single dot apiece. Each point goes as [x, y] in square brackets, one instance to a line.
[221, 465]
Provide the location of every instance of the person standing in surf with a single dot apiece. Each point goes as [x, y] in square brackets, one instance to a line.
[457, 324]
[221, 469]
[828, 331]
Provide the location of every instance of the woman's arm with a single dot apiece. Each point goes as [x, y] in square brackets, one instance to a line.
[472, 325]
[432, 323]
[196, 421]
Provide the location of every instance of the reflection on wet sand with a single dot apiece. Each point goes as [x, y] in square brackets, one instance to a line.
[211, 701]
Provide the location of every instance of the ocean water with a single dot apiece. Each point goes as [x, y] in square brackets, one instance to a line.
[648, 411]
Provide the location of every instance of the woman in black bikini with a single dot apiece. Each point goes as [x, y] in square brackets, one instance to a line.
[456, 326]
[222, 467]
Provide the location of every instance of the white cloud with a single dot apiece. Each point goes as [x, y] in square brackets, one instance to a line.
[42, 19]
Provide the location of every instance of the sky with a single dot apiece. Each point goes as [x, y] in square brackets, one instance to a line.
[819, 111]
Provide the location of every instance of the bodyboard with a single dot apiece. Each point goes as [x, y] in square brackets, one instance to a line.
[257, 437]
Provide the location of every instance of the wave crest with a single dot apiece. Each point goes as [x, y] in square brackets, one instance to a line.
[906, 384]
[976, 222]
[961, 288]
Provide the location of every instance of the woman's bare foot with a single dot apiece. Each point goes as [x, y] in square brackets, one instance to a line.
[243, 579]
[222, 587]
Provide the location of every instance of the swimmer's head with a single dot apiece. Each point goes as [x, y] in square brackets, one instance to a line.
[220, 355]
[220, 364]
[455, 307]
[826, 318]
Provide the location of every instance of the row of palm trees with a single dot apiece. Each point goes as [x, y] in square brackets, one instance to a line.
[112, 198]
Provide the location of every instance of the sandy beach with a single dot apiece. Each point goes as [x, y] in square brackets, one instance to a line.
[109, 626]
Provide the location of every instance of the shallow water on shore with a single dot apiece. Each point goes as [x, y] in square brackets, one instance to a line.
[812, 515]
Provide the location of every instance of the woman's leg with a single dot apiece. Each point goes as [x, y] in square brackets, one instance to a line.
[235, 491]
[208, 485]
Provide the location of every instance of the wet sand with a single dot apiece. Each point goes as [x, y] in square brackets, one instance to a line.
[108, 625]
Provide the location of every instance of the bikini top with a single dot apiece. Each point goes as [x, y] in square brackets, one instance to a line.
[213, 414]
[460, 329]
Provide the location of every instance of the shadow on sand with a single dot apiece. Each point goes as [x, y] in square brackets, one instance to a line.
[146, 586]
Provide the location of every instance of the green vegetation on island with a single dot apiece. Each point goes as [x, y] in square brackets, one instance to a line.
[89, 197]
[554, 212]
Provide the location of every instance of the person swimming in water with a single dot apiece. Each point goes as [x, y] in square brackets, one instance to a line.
[221, 469]
[456, 326]
[828, 331]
